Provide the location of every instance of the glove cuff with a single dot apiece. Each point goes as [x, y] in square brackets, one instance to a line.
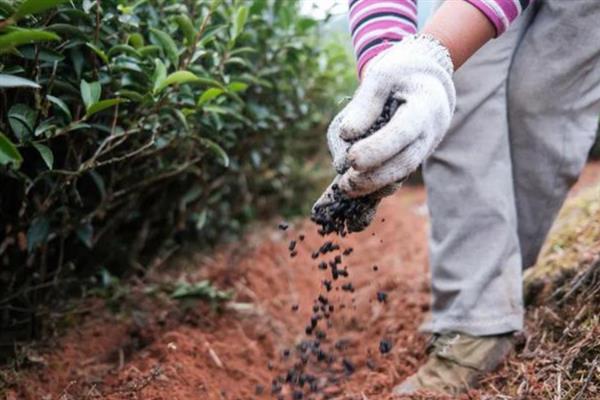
[430, 46]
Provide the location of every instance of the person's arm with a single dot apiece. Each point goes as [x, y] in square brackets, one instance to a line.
[461, 39]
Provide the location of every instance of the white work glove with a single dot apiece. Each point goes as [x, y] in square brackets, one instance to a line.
[418, 70]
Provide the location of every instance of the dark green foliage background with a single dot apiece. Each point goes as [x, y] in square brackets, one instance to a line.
[103, 179]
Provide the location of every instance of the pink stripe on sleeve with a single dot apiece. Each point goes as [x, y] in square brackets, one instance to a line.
[376, 24]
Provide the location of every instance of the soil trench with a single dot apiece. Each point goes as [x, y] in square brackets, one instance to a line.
[158, 348]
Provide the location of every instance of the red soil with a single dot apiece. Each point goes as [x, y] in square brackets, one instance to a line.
[158, 348]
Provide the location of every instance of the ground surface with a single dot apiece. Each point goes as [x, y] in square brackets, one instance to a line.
[159, 348]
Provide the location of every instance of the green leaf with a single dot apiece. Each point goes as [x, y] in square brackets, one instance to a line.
[46, 154]
[90, 92]
[67, 30]
[240, 20]
[60, 104]
[185, 24]
[177, 78]
[9, 153]
[136, 40]
[37, 233]
[181, 117]
[43, 127]
[237, 86]
[33, 52]
[216, 149]
[85, 233]
[99, 52]
[201, 219]
[6, 9]
[21, 119]
[124, 48]
[208, 95]
[102, 105]
[11, 81]
[159, 74]
[167, 44]
[18, 37]
[131, 95]
[35, 6]
[214, 5]
[149, 50]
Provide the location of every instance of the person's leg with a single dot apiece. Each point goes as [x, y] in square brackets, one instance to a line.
[474, 249]
[554, 103]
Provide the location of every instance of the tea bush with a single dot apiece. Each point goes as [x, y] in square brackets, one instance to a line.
[128, 126]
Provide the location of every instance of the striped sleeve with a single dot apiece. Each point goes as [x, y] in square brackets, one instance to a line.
[376, 24]
[501, 13]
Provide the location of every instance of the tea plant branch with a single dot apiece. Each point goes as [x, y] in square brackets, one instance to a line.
[133, 153]
[185, 62]
[178, 170]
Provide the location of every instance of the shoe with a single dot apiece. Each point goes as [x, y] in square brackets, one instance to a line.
[456, 363]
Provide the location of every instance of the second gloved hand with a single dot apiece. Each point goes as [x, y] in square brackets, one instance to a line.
[418, 71]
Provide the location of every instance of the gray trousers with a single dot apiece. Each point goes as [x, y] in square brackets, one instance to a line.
[526, 117]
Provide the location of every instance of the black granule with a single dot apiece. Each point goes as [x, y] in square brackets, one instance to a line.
[325, 247]
[381, 297]
[348, 366]
[314, 320]
[340, 214]
[347, 287]
[334, 272]
[375, 267]
[385, 346]
[259, 389]
[389, 108]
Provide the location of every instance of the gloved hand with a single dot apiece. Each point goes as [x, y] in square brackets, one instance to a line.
[418, 70]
